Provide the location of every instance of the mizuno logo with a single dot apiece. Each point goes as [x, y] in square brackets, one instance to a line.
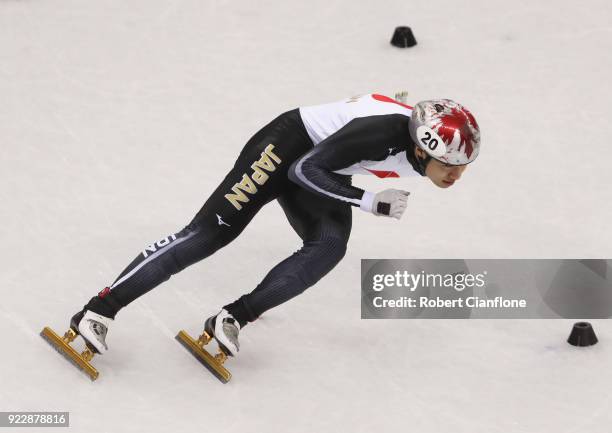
[221, 222]
[259, 176]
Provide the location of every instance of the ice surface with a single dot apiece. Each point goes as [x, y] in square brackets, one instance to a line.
[117, 119]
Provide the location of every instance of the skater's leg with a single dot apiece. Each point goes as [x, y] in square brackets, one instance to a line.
[324, 225]
[258, 176]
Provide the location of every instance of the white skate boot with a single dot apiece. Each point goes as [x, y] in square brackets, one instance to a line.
[224, 328]
[93, 328]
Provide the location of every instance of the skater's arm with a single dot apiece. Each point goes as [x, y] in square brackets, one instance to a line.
[362, 139]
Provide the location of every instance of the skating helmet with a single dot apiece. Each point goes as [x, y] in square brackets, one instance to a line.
[446, 131]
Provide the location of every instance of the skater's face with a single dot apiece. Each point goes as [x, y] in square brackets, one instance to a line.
[441, 174]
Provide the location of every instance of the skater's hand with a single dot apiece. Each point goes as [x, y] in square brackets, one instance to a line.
[390, 202]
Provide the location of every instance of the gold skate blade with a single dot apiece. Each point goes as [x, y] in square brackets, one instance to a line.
[68, 352]
[205, 358]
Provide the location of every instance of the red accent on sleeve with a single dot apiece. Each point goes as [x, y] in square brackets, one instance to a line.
[104, 292]
[383, 98]
[383, 174]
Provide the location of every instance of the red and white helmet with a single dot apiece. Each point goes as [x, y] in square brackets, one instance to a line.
[446, 131]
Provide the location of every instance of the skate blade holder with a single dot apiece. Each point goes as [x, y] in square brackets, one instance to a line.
[196, 347]
[62, 345]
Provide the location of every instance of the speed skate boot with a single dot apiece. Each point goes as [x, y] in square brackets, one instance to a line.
[223, 328]
[92, 327]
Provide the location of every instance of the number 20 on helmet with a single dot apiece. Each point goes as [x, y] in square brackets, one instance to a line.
[446, 131]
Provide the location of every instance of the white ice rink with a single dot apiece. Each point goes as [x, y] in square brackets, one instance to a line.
[118, 118]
